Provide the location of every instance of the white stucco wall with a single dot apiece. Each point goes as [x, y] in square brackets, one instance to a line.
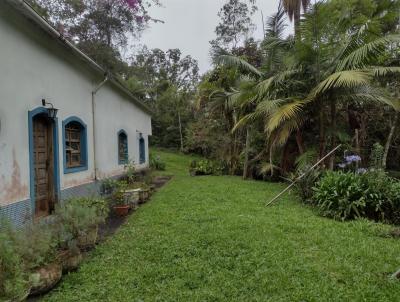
[34, 66]
[114, 112]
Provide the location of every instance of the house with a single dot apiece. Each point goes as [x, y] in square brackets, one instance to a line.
[46, 158]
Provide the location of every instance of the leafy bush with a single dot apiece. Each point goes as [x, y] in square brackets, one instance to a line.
[13, 280]
[108, 186]
[118, 197]
[75, 219]
[201, 167]
[383, 196]
[207, 167]
[346, 195]
[376, 158]
[130, 170]
[99, 204]
[304, 186]
[156, 163]
[340, 195]
[37, 245]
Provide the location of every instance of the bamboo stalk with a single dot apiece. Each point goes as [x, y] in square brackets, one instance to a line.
[302, 175]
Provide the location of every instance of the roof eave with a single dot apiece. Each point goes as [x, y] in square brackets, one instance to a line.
[31, 13]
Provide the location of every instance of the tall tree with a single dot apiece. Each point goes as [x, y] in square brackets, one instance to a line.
[293, 10]
[235, 23]
[99, 28]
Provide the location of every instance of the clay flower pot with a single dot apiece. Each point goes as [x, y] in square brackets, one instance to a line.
[70, 261]
[88, 240]
[45, 278]
[122, 210]
[132, 198]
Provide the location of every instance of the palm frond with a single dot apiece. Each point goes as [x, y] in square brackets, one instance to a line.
[282, 134]
[290, 111]
[306, 159]
[359, 57]
[275, 25]
[342, 79]
[236, 62]
[384, 71]
[247, 119]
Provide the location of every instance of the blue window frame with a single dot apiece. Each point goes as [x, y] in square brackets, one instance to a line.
[123, 154]
[142, 150]
[75, 145]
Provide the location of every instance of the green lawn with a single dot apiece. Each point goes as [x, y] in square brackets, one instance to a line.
[212, 239]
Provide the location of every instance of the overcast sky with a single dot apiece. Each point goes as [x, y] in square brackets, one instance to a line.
[190, 24]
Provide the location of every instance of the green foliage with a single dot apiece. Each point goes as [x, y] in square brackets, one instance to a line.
[13, 280]
[130, 171]
[383, 197]
[346, 195]
[36, 244]
[156, 163]
[118, 197]
[305, 185]
[206, 167]
[76, 219]
[376, 158]
[341, 195]
[108, 186]
[99, 204]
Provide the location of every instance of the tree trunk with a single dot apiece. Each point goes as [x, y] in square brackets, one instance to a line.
[246, 155]
[271, 162]
[389, 141]
[333, 138]
[322, 141]
[180, 130]
[297, 16]
[299, 141]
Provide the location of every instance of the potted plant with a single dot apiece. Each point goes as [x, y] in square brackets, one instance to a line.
[14, 285]
[119, 201]
[108, 186]
[120, 205]
[81, 221]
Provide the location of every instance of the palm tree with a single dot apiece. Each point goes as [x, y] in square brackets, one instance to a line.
[291, 95]
[293, 10]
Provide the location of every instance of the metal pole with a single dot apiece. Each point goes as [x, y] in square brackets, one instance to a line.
[302, 175]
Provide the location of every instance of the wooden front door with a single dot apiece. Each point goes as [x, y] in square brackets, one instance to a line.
[43, 165]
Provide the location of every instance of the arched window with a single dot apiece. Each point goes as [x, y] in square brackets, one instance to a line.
[122, 147]
[75, 145]
[142, 150]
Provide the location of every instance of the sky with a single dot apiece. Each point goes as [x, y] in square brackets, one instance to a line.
[190, 24]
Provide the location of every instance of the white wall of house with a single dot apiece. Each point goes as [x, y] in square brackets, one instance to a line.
[114, 112]
[34, 66]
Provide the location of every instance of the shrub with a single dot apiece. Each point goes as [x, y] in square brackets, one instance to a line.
[156, 163]
[99, 204]
[376, 157]
[108, 186]
[304, 186]
[75, 220]
[13, 280]
[383, 196]
[201, 167]
[37, 245]
[340, 195]
[130, 170]
[118, 197]
[207, 167]
[347, 195]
